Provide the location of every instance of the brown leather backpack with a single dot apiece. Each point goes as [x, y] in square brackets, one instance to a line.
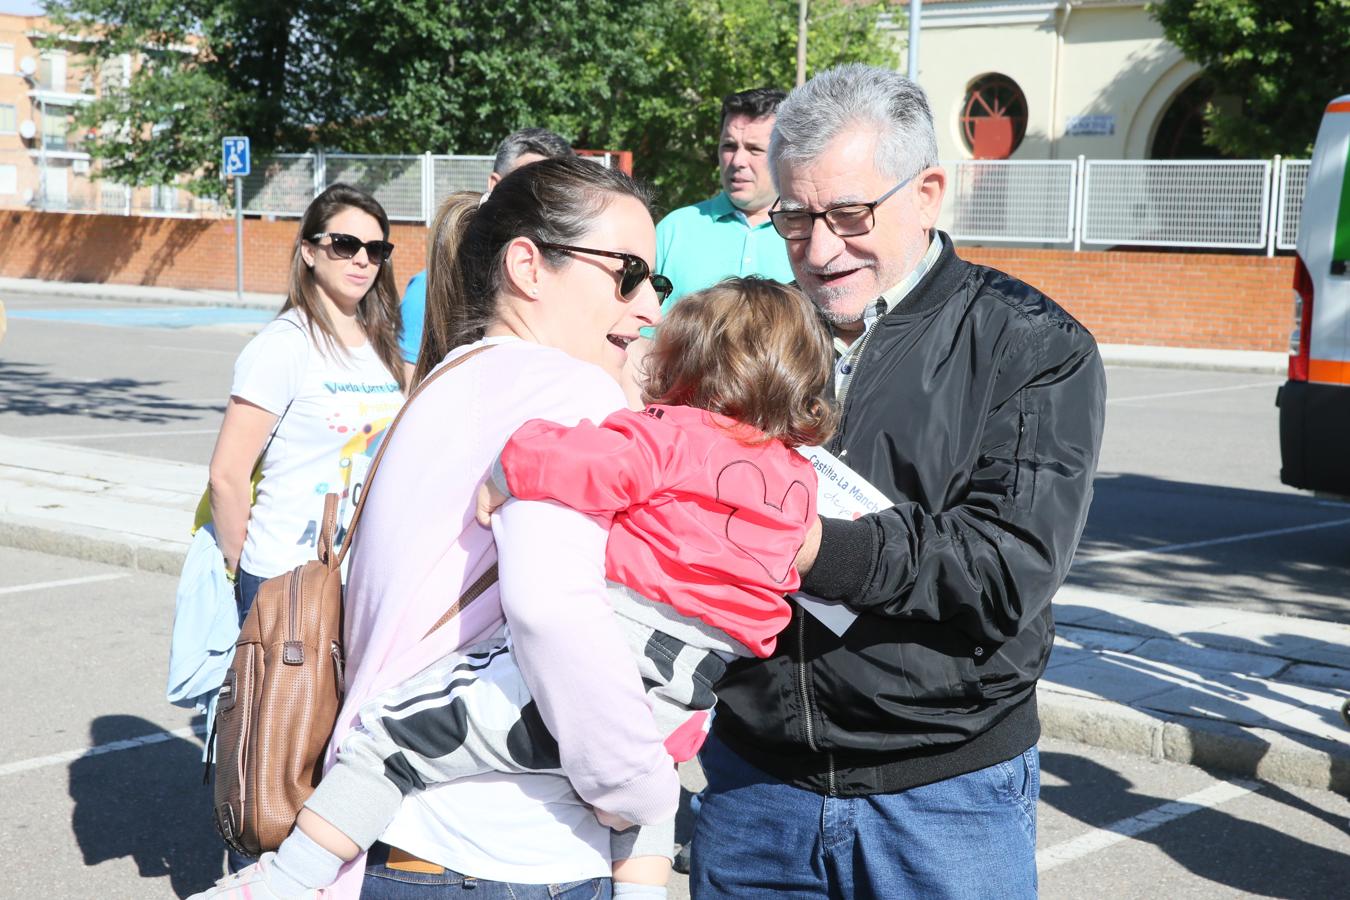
[280, 699]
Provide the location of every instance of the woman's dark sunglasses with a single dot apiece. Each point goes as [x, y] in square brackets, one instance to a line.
[635, 271]
[345, 246]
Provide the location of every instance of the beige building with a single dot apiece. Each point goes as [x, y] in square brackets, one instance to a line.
[1053, 79]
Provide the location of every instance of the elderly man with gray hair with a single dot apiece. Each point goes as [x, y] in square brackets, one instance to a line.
[895, 755]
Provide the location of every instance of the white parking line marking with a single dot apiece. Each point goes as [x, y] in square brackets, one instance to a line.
[56, 759]
[1231, 539]
[193, 350]
[1101, 838]
[65, 582]
[1215, 390]
[111, 435]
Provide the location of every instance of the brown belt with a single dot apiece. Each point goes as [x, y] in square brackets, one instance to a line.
[404, 861]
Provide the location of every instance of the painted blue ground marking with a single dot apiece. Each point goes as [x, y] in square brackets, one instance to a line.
[151, 316]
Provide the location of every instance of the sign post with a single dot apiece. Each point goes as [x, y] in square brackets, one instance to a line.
[235, 163]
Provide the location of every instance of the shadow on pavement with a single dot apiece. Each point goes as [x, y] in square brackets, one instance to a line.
[1300, 573]
[146, 803]
[30, 390]
[1222, 849]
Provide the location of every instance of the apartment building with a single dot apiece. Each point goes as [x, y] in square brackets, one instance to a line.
[44, 79]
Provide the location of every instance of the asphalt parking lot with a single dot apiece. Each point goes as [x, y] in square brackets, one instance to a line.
[1188, 508]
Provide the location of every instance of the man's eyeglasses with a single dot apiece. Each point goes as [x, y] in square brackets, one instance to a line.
[635, 270]
[345, 246]
[845, 220]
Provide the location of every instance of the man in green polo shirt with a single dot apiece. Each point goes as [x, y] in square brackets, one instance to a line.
[730, 234]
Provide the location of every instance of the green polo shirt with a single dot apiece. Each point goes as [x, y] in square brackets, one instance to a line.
[697, 246]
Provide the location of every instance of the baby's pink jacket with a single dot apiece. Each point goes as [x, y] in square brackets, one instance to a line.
[702, 521]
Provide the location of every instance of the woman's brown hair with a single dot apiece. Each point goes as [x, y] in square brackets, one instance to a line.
[750, 349]
[378, 311]
[551, 201]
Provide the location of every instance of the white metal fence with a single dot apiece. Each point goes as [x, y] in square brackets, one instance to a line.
[1232, 204]
[408, 187]
[1013, 201]
[1229, 204]
[1293, 184]
[1176, 204]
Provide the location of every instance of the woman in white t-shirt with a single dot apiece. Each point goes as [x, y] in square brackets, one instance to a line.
[323, 380]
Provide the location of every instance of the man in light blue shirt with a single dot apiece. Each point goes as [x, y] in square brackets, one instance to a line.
[517, 149]
[730, 234]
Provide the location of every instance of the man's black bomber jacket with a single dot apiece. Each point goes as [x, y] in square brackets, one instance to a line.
[977, 405]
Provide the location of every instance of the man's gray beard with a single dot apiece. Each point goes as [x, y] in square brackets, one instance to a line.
[831, 315]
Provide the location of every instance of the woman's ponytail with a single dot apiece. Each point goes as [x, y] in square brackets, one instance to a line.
[448, 300]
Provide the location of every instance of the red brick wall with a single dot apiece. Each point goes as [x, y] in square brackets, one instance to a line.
[1209, 300]
[181, 253]
[1172, 299]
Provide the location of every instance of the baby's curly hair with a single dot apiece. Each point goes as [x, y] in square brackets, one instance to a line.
[751, 349]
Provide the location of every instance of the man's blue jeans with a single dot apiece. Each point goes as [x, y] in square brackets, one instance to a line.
[971, 836]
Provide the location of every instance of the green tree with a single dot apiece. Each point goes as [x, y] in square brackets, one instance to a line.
[450, 76]
[1284, 60]
[715, 47]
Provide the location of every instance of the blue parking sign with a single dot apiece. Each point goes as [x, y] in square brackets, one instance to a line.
[234, 157]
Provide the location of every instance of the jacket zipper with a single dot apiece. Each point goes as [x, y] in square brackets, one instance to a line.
[836, 443]
[806, 699]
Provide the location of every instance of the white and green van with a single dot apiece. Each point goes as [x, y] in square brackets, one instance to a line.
[1315, 402]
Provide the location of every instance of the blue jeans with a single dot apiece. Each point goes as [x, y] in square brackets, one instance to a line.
[384, 883]
[245, 590]
[971, 836]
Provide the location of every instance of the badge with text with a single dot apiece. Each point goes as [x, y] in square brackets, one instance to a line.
[841, 493]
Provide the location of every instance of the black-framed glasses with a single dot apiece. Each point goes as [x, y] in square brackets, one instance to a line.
[635, 270]
[345, 246]
[845, 220]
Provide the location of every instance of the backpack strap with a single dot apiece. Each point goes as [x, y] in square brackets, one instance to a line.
[485, 581]
[328, 531]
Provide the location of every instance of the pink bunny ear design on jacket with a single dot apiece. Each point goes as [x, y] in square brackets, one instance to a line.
[742, 486]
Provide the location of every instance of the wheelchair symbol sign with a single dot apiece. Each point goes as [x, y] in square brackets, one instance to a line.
[235, 157]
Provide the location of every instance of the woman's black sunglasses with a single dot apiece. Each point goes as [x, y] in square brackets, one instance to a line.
[635, 271]
[345, 246]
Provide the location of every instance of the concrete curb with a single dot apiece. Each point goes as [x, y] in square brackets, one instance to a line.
[134, 293]
[1254, 752]
[1145, 356]
[93, 545]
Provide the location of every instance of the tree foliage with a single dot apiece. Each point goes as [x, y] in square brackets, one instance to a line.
[449, 76]
[1284, 60]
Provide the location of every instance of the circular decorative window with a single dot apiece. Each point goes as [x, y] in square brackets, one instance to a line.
[993, 117]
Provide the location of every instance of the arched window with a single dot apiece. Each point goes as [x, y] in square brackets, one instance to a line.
[1181, 129]
[993, 117]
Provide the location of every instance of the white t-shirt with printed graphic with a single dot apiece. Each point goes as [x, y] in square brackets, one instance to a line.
[340, 407]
